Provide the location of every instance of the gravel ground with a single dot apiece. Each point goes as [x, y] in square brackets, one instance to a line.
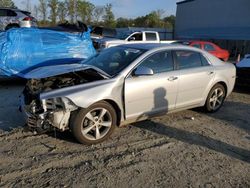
[211, 150]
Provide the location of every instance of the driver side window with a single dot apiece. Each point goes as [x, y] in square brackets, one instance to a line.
[136, 37]
[159, 62]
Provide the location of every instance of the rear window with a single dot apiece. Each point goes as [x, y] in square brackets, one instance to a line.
[151, 37]
[209, 47]
[3, 13]
[26, 13]
[189, 59]
[6, 12]
[197, 46]
[11, 13]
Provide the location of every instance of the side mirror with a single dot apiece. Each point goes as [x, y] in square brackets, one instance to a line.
[143, 71]
[131, 39]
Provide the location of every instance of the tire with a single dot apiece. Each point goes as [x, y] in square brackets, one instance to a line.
[94, 124]
[215, 98]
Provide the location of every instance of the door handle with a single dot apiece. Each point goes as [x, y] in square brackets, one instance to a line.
[172, 78]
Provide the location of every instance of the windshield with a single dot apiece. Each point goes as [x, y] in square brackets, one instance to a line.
[114, 60]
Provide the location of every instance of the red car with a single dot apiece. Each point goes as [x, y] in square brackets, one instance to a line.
[211, 48]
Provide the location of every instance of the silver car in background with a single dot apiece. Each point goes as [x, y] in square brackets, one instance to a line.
[122, 85]
[15, 18]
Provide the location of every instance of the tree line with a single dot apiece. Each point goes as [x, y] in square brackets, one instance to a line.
[52, 12]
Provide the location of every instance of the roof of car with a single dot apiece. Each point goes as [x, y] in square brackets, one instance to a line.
[14, 9]
[144, 46]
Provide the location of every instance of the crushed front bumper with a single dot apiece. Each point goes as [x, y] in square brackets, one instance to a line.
[50, 116]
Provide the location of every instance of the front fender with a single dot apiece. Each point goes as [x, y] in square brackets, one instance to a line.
[85, 95]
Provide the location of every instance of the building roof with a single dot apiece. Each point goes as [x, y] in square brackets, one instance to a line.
[186, 1]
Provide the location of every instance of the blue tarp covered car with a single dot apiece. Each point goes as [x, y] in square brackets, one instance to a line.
[26, 48]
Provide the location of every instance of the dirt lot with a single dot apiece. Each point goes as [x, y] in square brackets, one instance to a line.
[213, 150]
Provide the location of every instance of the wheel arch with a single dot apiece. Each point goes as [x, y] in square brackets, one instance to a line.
[11, 25]
[224, 85]
[116, 108]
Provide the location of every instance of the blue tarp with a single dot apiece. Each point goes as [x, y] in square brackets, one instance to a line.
[23, 48]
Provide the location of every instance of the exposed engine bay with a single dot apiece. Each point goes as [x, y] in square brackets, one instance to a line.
[55, 112]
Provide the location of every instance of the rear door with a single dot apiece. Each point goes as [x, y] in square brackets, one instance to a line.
[195, 76]
[152, 94]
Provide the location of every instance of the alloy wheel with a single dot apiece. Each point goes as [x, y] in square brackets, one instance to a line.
[96, 124]
[216, 99]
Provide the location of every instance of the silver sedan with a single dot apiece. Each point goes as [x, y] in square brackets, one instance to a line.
[122, 85]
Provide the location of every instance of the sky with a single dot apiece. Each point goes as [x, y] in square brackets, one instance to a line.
[127, 8]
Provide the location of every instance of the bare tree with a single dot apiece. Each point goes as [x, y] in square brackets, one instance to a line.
[53, 5]
[28, 5]
[35, 11]
[62, 11]
[71, 10]
[7, 3]
[98, 13]
[43, 9]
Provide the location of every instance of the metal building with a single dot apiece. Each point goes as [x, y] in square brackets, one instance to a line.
[226, 22]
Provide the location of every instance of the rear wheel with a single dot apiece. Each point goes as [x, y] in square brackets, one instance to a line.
[215, 98]
[94, 124]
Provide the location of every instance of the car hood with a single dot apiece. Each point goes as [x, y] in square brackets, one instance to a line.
[55, 70]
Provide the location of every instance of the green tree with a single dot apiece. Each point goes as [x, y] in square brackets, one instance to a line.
[169, 21]
[62, 11]
[85, 10]
[42, 7]
[109, 18]
[7, 3]
[124, 22]
[53, 5]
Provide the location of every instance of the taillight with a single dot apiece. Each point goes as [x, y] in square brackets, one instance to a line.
[27, 19]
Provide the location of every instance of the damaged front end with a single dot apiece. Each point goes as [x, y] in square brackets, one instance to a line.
[48, 114]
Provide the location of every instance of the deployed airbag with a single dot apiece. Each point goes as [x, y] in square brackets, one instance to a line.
[27, 47]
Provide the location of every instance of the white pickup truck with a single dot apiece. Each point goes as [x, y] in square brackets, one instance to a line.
[136, 37]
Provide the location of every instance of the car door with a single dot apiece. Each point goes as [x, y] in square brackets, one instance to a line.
[135, 38]
[195, 76]
[151, 94]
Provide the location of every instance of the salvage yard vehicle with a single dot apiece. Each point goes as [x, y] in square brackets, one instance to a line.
[144, 37]
[243, 72]
[15, 18]
[122, 85]
[209, 47]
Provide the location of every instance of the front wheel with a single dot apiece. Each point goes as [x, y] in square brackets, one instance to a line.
[94, 124]
[215, 98]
